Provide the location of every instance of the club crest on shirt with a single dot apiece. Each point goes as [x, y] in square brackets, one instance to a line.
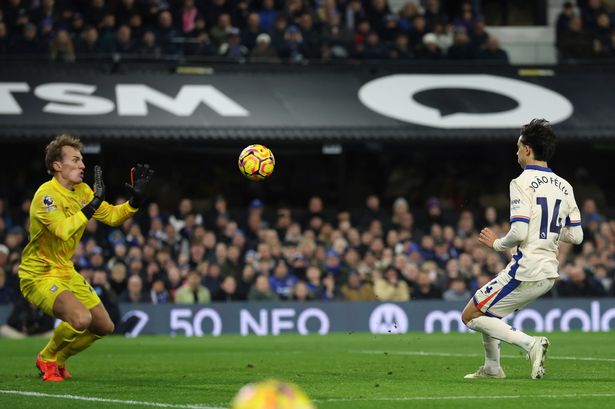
[53, 288]
[83, 203]
[48, 202]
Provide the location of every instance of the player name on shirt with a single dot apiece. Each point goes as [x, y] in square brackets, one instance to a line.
[544, 179]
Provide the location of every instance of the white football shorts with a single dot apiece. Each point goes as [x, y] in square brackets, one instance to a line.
[505, 294]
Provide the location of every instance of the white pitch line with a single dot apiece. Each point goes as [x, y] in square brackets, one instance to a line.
[105, 400]
[415, 398]
[423, 353]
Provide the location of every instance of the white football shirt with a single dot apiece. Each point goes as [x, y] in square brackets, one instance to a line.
[546, 202]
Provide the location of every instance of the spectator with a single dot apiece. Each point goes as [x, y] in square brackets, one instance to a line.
[336, 39]
[89, 43]
[45, 11]
[457, 291]
[106, 32]
[220, 32]
[159, 293]
[493, 52]
[123, 41]
[590, 11]
[311, 36]
[418, 30]
[4, 39]
[166, 33]
[148, 46]
[189, 15]
[4, 255]
[95, 12]
[282, 282]
[232, 48]
[478, 35]
[579, 284]
[401, 51]
[119, 281]
[251, 31]
[429, 48]
[108, 298]
[263, 52]
[434, 14]
[77, 25]
[134, 291]
[576, 43]
[462, 48]
[467, 19]
[356, 289]
[407, 13]
[261, 290]
[425, 289]
[267, 16]
[7, 294]
[563, 19]
[125, 9]
[62, 48]
[389, 287]
[29, 43]
[213, 278]
[292, 49]
[227, 291]
[26, 320]
[192, 292]
[300, 292]
[278, 34]
[178, 220]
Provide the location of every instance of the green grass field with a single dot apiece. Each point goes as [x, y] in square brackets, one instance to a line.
[338, 371]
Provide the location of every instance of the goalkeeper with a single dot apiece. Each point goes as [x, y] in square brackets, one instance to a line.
[59, 212]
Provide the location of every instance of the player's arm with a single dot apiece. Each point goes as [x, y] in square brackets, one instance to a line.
[46, 210]
[519, 222]
[140, 177]
[572, 232]
[116, 215]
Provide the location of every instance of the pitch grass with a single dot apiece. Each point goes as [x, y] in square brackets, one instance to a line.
[338, 371]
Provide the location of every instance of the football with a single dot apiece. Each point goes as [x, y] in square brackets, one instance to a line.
[256, 162]
[271, 394]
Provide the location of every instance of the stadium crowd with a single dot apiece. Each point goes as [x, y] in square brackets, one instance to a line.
[586, 30]
[308, 254]
[262, 30]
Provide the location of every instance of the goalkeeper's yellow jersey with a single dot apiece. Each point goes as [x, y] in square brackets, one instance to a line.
[56, 227]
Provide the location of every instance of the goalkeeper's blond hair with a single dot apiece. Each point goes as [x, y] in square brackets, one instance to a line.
[53, 151]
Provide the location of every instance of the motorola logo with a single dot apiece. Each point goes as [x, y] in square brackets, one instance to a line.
[388, 318]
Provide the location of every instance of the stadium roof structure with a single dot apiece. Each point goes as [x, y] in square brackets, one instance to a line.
[321, 103]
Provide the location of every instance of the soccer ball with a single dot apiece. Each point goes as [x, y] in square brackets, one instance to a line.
[271, 394]
[256, 162]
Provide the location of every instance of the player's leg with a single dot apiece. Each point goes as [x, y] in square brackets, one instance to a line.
[75, 320]
[499, 298]
[491, 368]
[101, 325]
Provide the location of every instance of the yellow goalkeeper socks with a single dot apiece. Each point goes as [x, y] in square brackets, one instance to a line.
[63, 335]
[80, 343]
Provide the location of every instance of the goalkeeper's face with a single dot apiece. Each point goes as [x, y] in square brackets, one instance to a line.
[72, 166]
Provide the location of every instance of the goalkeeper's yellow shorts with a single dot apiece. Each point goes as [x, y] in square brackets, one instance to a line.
[42, 292]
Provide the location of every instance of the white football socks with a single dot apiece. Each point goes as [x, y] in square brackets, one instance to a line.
[492, 354]
[498, 329]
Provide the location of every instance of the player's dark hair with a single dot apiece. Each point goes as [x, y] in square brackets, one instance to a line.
[539, 136]
[53, 151]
